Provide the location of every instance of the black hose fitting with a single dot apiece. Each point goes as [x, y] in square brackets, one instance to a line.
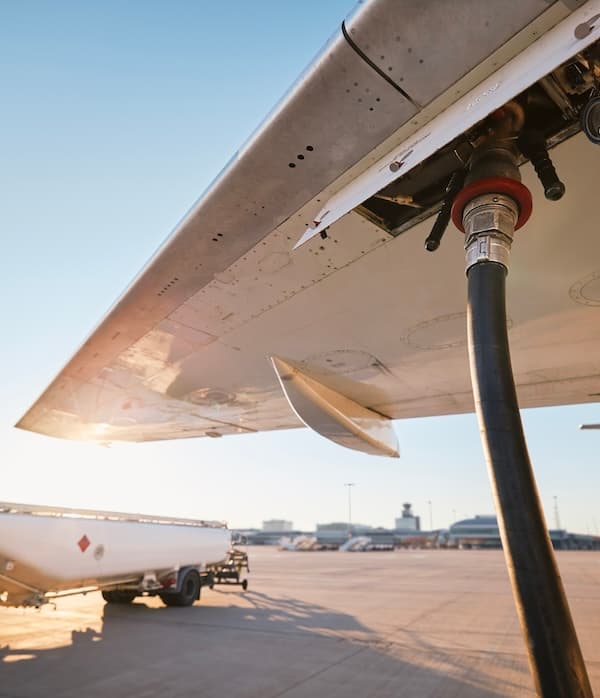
[533, 146]
[455, 184]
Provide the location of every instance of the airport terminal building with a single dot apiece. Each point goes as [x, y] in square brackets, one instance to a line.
[482, 532]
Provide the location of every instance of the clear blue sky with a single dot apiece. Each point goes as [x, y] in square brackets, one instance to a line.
[115, 117]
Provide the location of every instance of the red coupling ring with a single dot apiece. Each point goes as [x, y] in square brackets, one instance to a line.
[493, 185]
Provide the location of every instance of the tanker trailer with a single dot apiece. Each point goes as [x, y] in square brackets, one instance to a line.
[48, 552]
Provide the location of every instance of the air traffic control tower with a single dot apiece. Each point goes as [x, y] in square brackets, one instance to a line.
[408, 521]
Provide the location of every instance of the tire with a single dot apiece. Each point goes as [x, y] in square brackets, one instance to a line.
[245, 584]
[119, 596]
[189, 592]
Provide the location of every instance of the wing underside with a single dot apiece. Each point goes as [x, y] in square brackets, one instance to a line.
[366, 314]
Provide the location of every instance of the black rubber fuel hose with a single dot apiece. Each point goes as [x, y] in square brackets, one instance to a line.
[555, 656]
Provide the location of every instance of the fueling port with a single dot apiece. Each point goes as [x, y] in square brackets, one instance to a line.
[550, 111]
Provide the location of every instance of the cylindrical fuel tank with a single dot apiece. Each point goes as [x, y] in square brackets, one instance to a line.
[62, 549]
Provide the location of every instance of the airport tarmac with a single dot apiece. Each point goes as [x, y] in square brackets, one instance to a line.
[312, 624]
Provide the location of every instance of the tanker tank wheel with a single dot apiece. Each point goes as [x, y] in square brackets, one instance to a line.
[189, 592]
[118, 596]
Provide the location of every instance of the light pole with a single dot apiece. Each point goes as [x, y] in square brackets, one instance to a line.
[349, 485]
[430, 515]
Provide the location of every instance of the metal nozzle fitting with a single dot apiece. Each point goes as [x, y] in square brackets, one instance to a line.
[489, 222]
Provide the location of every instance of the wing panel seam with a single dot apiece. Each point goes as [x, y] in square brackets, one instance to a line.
[376, 68]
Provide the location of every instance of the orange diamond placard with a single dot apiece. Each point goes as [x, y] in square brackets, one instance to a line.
[83, 543]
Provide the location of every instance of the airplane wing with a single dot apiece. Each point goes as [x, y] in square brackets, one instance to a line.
[234, 328]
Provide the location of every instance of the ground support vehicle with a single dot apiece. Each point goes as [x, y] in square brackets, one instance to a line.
[49, 552]
[231, 571]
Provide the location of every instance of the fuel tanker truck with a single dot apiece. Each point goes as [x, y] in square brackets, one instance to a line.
[49, 552]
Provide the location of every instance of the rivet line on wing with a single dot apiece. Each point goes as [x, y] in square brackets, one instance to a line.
[376, 68]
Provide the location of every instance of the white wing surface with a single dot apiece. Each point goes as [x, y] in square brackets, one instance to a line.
[361, 310]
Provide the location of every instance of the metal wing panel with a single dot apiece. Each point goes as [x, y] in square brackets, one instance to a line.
[403, 39]
[322, 127]
[184, 352]
[325, 121]
[378, 320]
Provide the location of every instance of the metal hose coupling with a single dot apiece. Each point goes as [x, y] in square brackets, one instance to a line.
[489, 221]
